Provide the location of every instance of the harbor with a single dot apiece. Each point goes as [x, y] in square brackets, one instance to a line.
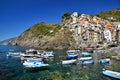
[13, 68]
[59, 40]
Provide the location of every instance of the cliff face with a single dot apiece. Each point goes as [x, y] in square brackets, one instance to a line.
[44, 36]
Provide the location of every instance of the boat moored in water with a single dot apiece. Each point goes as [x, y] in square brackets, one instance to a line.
[35, 64]
[13, 53]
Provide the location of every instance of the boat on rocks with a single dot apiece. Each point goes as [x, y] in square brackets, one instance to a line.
[112, 74]
[72, 54]
[85, 54]
[88, 61]
[102, 61]
[67, 62]
[85, 58]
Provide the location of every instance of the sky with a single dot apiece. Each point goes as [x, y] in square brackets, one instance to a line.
[16, 16]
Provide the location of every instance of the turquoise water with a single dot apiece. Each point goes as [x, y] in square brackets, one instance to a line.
[12, 69]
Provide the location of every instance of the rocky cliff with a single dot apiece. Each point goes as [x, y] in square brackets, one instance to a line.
[42, 35]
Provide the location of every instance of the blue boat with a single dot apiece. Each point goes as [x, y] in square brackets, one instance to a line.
[72, 54]
[88, 61]
[85, 54]
[112, 74]
[102, 61]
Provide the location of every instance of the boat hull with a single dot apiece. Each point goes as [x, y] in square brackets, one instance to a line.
[112, 74]
[88, 62]
[66, 62]
[102, 61]
[72, 57]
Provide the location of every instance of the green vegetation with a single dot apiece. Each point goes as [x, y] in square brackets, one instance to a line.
[38, 30]
[42, 29]
[115, 13]
[66, 15]
[56, 75]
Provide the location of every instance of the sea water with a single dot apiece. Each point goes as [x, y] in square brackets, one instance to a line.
[12, 68]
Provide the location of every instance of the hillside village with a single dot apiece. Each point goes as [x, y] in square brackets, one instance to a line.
[75, 31]
[92, 31]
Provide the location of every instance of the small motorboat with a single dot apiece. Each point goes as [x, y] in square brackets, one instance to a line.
[13, 53]
[47, 55]
[72, 54]
[102, 61]
[34, 64]
[29, 54]
[112, 74]
[66, 62]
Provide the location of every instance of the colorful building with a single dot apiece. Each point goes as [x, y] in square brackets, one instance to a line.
[95, 37]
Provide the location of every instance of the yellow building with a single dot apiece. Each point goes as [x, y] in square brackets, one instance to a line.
[95, 37]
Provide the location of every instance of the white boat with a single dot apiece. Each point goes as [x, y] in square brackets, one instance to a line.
[30, 50]
[13, 53]
[112, 74]
[85, 58]
[47, 54]
[65, 62]
[72, 54]
[29, 54]
[34, 63]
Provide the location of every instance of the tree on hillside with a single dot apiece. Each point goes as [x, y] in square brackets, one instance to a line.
[66, 15]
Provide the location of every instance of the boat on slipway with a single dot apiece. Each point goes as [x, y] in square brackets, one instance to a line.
[112, 74]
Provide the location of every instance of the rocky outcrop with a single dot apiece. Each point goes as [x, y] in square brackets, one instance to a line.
[54, 37]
